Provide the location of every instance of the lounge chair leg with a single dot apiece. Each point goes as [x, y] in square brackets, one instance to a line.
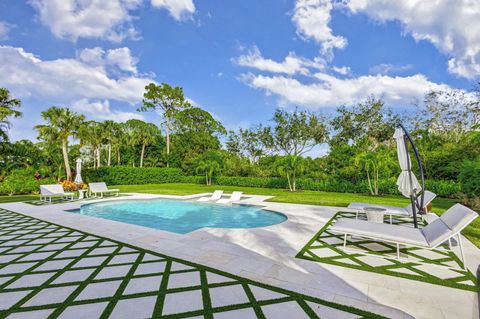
[398, 251]
[391, 219]
[450, 243]
[356, 214]
[345, 242]
[461, 251]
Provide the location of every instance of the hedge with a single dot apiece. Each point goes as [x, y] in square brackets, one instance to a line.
[125, 175]
[22, 181]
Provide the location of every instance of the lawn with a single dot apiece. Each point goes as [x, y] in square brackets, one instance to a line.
[301, 197]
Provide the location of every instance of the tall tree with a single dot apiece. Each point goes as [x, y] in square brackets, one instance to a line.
[7, 109]
[109, 129]
[166, 99]
[62, 123]
[143, 134]
[91, 133]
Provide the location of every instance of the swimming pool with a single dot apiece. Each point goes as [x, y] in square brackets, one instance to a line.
[181, 216]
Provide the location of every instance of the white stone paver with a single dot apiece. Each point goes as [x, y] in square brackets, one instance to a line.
[31, 280]
[113, 272]
[135, 308]
[184, 279]
[74, 276]
[87, 311]
[286, 310]
[50, 296]
[10, 298]
[144, 284]
[99, 290]
[265, 294]
[150, 268]
[247, 313]
[35, 314]
[228, 295]
[330, 313]
[184, 301]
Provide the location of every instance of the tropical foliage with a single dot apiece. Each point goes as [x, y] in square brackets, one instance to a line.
[355, 144]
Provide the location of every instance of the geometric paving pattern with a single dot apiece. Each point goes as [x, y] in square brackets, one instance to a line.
[439, 266]
[50, 271]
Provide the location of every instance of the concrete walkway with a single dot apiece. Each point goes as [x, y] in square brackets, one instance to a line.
[267, 255]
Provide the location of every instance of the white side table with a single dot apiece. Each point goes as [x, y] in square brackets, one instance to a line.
[375, 214]
[82, 193]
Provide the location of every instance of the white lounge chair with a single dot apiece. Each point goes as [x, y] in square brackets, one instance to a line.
[233, 198]
[215, 196]
[443, 229]
[53, 190]
[95, 188]
[394, 210]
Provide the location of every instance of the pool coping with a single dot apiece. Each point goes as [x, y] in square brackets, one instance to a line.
[267, 254]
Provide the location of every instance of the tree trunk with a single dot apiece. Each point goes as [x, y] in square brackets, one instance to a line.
[109, 154]
[142, 154]
[369, 181]
[168, 139]
[98, 156]
[289, 184]
[294, 181]
[118, 156]
[206, 178]
[65, 159]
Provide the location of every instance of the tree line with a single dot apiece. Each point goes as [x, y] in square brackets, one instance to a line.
[445, 127]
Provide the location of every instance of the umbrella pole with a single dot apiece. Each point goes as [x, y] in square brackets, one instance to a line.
[412, 199]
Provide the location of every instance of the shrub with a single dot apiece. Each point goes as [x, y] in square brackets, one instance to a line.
[125, 175]
[469, 178]
[22, 181]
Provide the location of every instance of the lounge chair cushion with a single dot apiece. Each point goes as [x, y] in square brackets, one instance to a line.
[458, 217]
[436, 232]
[394, 210]
[387, 232]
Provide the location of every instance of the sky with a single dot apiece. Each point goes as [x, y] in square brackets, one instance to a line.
[238, 60]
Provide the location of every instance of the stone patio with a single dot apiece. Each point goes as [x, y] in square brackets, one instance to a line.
[265, 255]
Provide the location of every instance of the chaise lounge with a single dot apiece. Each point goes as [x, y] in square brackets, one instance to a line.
[449, 225]
[236, 196]
[394, 210]
[95, 188]
[215, 196]
[53, 190]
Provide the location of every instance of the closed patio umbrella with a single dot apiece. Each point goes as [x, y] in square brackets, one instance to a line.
[407, 182]
[78, 178]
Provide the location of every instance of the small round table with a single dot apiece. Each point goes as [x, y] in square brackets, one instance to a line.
[375, 214]
[82, 193]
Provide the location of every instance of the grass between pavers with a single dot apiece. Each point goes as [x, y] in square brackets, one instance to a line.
[12, 222]
[472, 232]
[332, 243]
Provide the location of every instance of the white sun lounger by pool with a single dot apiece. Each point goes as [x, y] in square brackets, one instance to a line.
[53, 190]
[215, 196]
[394, 210]
[233, 198]
[95, 188]
[449, 225]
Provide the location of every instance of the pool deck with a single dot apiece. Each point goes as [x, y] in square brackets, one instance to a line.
[267, 255]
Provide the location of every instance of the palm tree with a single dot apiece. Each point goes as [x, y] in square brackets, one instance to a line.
[62, 123]
[142, 133]
[91, 133]
[208, 167]
[7, 105]
[109, 128]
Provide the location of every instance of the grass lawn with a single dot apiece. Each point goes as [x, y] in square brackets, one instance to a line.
[281, 195]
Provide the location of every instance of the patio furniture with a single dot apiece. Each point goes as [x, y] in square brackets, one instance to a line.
[449, 225]
[53, 190]
[215, 196]
[233, 198]
[95, 188]
[394, 210]
[82, 193]
[375, 214]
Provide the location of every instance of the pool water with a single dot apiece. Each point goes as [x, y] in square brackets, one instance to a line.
[181, 216]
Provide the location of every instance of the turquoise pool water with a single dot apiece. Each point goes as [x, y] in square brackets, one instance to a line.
[181, 216]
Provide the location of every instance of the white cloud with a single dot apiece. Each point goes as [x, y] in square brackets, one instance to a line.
[452, 26]
[312, 18]
[4, 29]
[292, 64]
[179, 9]
[343, 70]
[73, 19]
[329, 91]
[66, 80]
[120, 58]
[100, 110]
[100, 19]
[387, 68]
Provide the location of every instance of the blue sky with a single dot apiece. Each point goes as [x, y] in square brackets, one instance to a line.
[237, 59]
